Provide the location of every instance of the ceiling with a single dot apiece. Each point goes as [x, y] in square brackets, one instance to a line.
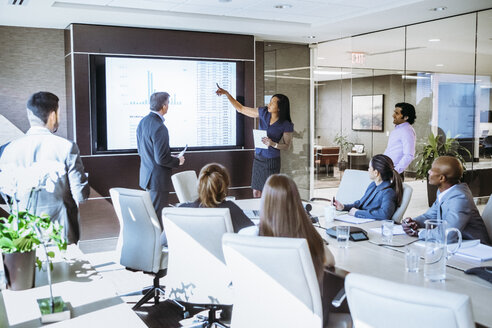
[299, 21]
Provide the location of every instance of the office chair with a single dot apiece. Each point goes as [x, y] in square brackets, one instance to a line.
[487, 217]
[400, 211]
[353, 186]
[139, 241]
[185, 184]
[197, 275]
[375, 302]
[274, 283]
[487, 145]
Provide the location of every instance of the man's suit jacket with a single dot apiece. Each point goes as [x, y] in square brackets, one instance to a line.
[39, 145]
[156, 161]
[379, 202]
[458, 209]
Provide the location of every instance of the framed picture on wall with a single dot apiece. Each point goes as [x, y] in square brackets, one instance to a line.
[367, 113]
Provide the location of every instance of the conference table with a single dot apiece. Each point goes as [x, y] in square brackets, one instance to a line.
[92, 299]
[388, 262]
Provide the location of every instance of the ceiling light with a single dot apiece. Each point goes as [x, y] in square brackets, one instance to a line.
[434, 40]
[414, 77]
[225, 0]
[321, 58]
[439, 65]
[438, 9]
[311, 36]
[282, 6]
[330, 73]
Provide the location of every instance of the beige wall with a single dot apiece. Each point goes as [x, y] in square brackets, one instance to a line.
[31, 60]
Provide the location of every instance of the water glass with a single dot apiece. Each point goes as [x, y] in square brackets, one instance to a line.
[387, 231]
[230, 198]
[411, 259]
[343, 235]
[329, 214]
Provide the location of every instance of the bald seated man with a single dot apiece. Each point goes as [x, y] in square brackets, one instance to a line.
[454, 203]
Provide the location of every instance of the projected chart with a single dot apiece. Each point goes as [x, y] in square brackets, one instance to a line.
[196, 116]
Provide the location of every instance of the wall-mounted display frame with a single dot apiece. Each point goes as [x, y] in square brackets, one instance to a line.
[367, 113]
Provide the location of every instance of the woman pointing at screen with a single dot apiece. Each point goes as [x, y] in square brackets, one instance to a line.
[275, 120]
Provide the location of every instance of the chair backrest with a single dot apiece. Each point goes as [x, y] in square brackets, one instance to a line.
[398, 305]
[353, 186]
[196, 270]
[274, 282]
[185, 184]
[139, 240]
[405, 200]
[487, 217]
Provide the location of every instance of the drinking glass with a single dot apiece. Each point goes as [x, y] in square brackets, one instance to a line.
[387, 231]
[411, 259]
[329, 215]
[343, 235]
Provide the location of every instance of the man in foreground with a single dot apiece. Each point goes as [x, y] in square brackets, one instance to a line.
[454, 203]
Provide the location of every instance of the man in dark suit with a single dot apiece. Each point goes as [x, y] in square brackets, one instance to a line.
[156, 161]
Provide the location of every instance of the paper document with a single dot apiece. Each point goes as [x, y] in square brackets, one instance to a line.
[183, 151]
[257, 136]
[479, 252]
[352, 219]
[397, 230]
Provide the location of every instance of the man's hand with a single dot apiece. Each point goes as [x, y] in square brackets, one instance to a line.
[410, 227]
[352, 211]
[181, 160]
[339, 206]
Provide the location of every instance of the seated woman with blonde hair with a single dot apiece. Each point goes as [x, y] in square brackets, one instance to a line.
[213, 184]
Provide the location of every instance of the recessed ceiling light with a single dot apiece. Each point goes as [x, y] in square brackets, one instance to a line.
[225, 0]
[311, 36]
[439, 65]
[282, 6]
[321, 58]
[438, 9]
[434, 40]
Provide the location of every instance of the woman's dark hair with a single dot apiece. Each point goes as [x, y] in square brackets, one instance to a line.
[283, 105]
[42, 103]
[407, 110]
[213, 183]
[384, 165]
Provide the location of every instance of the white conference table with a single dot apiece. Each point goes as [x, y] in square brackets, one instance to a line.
[389, 263]
[93, 300]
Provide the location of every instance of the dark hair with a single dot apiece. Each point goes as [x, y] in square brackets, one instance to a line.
[407, 110]
[42, 103]
[384, 165]
[282, 215]
[283, 105]
[158, 100]
[213, 183]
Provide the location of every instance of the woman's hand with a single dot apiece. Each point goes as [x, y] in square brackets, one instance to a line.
[220, 91]
[352, 211]
[339, 206]
[267, 141]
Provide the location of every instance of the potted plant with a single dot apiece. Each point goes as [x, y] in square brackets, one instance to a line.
[342, 142]
[24, 230]
[437, 145]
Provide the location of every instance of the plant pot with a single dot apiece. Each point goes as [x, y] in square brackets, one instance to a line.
[342, 165]
[19, 269]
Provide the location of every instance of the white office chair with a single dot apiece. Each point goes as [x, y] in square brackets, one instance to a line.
[400, 211]
[185, 184]
[274, 283]
[375, 302]
[353, 186]
[197, 273]
[139, 241]
[487, 217]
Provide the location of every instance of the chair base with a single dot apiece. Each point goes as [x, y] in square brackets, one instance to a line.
[155, 291]
[207, 322]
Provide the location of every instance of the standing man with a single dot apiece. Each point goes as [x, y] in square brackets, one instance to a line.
[156, 161]
[401, 143]
[454, 203]
[40, 145]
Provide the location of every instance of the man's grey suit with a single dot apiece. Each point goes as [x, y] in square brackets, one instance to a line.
[39, 145]
[459, 210]
[156, 162]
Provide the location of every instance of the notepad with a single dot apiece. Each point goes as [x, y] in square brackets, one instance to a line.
[352, 219]
[257, 136]
[478, 253]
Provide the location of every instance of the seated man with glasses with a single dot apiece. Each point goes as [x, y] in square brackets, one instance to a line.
[454, 203]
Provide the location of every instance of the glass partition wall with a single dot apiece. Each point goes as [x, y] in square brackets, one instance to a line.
[442, 67]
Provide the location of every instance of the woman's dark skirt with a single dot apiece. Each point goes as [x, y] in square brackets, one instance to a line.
[262, 168]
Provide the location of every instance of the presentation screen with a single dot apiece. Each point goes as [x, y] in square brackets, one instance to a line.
[196, 116]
